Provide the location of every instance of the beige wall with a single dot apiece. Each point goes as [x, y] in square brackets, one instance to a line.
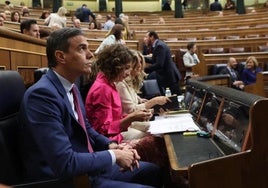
[128, 6]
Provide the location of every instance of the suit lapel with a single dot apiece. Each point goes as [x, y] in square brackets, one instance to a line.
[56, 82]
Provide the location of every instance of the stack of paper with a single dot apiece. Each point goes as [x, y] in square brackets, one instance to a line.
[173, 123]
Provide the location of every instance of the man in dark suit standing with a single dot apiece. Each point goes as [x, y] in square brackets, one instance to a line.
[57, 140]
[162, 65]
[215, 6]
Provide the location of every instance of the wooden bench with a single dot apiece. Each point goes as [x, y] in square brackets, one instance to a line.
[208, 60]
[177, 25]
[22, 53]
[94, 44]
[261, 85]
[221, 80]
[199, 35]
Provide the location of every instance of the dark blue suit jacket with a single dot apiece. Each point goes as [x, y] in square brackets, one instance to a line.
[53, 143]
[163, 65]
[215, 6]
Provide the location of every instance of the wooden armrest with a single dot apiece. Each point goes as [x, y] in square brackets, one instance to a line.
[81, 181]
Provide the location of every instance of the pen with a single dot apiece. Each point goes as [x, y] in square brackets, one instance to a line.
[189, 133]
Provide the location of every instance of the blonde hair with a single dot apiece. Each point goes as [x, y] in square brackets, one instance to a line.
[254, 60]
[62, 11]
[136, 82]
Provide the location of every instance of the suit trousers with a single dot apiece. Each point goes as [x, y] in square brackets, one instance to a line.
[148, 175]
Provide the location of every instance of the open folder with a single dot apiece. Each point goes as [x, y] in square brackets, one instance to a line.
[173, 123]
[173, 105]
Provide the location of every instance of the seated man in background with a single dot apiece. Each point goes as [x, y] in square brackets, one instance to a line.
[30, 27]
[231, 70]
[56, 139]
[215, 6]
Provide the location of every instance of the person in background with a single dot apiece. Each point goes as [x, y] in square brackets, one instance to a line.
[161, 20]
[147, 48]
[83, 13]
[15, 16]
[56, 139]
[215, 6]
[185, 4]
[265, 4]
[124, 20]
[231, 70]
[2, 20]
[8, 6]
[2, 14]
[108, 25]
[229, 5]
[23, 7]
[58, 18]
[162, 65]
[77, 23]
[115, 36]
[25, 13]
[250, 71]
[93, 23]
[45, 14]
[166, 6]
[190, 59]
[30, 27]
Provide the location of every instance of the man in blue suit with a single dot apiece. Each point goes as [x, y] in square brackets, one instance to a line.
[162, 65]
[215, 6]
[54, 144]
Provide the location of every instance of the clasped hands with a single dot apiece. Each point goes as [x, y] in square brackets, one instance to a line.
[126, 157]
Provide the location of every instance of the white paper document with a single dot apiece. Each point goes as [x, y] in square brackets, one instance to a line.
[173, 123]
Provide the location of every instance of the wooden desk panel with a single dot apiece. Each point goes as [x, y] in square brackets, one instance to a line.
[184, 151]
[244, 169]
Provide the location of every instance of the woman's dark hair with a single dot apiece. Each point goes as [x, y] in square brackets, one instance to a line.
[13, 14]
[117, 31]
[59, 40]
[112, 60]
[43, 15]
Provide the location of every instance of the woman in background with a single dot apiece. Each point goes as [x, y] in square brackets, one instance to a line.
[58, 18]
[45, 14]
[15, 16]
[250, 71]
[115, 37]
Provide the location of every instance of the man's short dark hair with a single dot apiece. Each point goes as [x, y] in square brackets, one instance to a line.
[59, 40]
[190, 45]
[154, 34]
[26, 24]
